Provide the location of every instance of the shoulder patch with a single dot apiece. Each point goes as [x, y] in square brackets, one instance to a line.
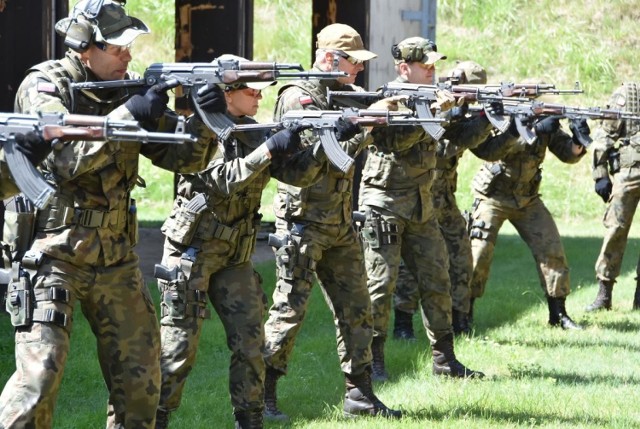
[305, 100]
[48, 87]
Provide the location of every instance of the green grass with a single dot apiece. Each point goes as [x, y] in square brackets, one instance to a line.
[536, 376]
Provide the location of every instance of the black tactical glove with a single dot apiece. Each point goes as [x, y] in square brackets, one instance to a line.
[284, 142]
[33, 146]
[581, 131]
[548, 125]
[495, 108]
[151, 105]
[211, 99]
[603, 188]
[459, 112]
[346, 130]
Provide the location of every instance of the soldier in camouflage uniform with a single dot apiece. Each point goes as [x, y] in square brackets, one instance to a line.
[453, 227]
[395, 194]
[82, 250]
[316, 225]
[210, 237]
[617, 154]
[506, 188]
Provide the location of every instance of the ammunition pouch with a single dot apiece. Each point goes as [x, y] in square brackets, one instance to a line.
[629, 155]
[485, 180]
[377, 232]
[18, 230]
[613, 160]
[24, 304]
[61, 213]
[178, 301]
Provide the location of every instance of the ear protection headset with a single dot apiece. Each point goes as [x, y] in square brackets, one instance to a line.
[81, 29]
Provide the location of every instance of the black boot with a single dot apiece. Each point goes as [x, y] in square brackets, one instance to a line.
[361, 401]
[603, 299]
[403, 326]
[445, 362]
[162, 419]
[378, 372]
[470, 314]
[271, 411]
[248, 419]
[636, 297]
[460, 322]
[558, 314]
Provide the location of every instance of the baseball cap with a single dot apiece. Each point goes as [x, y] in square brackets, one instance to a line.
[341, 37]
[416, 49]
[473, 72]
[110, 21]
[255, 85]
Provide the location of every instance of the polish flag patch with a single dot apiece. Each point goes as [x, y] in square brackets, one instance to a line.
[46, 87]
[305, 100]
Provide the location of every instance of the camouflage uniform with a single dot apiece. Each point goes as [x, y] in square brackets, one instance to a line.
[8, 186]
[401, 221]
[317, 221]
[406, 296]
[506, 188]
[83, 252]
[622, 139]
[211, 247]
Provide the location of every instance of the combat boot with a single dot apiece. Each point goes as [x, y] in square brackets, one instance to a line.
[378, 372]
[403, 326]
[271, 411]
[604, 297]
[361, 401]
[162, 419]
[460, 322]
[558, 314]
[248, 419]
[446, 363]
[636, 297]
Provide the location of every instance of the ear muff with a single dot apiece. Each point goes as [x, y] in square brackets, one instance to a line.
[79, 34]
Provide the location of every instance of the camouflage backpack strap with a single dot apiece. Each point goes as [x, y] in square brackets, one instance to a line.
[633, 105]
[60, 73]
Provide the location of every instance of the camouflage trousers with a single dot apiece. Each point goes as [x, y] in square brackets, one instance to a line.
[538, 230]
[617, 221]
[456, 237]
[422, 248]
[334, 254]
[237, 297]
[122, 317]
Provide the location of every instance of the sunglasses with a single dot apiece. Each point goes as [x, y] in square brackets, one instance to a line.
[243, 87]
[113, 49]
[353, 61]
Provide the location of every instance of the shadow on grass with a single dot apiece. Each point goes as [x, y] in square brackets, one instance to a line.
[572, 378]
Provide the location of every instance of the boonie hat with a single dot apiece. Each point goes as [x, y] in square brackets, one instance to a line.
[341, 37]
[416, 49]
[473, 73]
[111, 23]
[254, 85]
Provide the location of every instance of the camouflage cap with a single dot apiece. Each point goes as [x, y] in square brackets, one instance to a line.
[111, 23]
[469, 72]
[416, 49]
[254, 85]
[341, 37]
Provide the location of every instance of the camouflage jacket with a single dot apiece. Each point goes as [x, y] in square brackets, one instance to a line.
[513, 172]
[622, 136]
[234, 179]
[8, 187]
[329, 200]
[401, 165]
[94, 179]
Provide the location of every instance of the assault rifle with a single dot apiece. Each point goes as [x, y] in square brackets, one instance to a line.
[58, 127]
[524, 112]
[323, 123]
[195, 76]
[421, 95]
